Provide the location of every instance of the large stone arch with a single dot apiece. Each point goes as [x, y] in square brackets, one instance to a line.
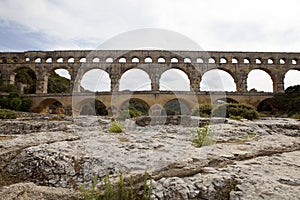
[180, 107]
[128, 69]
[135, 104]
[284, 76]
[227, 71]
[52, 70]
[89, 106]
[275, 80]
[13, 76]
[174, 68]
[83, 72]
[44, 106]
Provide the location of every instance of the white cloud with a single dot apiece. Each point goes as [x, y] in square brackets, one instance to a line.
[231, 25]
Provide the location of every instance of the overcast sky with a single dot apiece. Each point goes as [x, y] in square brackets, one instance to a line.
[231, 25]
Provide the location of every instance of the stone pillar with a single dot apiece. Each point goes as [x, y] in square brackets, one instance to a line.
[195, 79]
[114, 85]
[75, 85]
[241, 84]
[154, 75]
[41, 86]
[278, 88]
[8, 78]
[278, 84]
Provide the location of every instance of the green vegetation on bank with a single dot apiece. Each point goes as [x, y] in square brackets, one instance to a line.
[120, 190]
[229, 110]
[7, 114]
[58, 84]
[287, 103]
[235, 111]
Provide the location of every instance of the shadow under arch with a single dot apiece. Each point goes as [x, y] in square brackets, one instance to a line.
[224, 100]
[50, 106]
[176, 106]
[93, 107]
[135, 107]
[265, 106]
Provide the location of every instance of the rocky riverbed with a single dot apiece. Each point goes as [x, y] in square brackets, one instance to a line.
[46, 156]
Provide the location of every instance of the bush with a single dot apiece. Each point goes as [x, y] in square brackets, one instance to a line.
[116, 127]
[296, 116]
[235, 110]
[203, 110]
[16, 103]
[7, 114]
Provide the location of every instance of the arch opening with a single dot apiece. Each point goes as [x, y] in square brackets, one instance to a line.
[174, 80]
[217, 80]
[161, 60]
[225, 100]
[59, 81]
[71, 60]
[187, 60]
[51, 106]
[96, 60]
[176, 107]
[134, 107]
[94, 107]
[199, 60]
[60, 60]
[291, 78]
[234, 60]
[223, 60]
[265, 106]
[49, 60]
[174, 60]
[135, 60]
[135, 80]
[148, 60]
[259, 81]
[25, 81]
[95, 80]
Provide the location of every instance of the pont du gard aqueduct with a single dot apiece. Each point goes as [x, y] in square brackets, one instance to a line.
[154, 62]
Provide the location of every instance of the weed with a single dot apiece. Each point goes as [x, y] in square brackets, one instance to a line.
[203, 136]
[116, 191]
[116, 127]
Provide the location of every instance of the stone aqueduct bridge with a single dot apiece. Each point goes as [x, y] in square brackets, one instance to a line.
[154, 63]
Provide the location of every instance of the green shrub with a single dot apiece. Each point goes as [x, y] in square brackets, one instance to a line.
[235, 117]
[296, 116]
[7, 114]
[203, 136]
[116, 127]
[203, 110]
[242, 110]
[16, 103]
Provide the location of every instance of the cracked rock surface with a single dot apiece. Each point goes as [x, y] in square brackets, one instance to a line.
[247, 159]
